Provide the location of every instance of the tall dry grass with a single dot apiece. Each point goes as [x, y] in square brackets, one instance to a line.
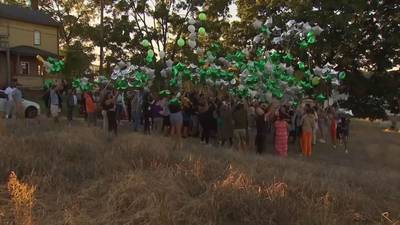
[84, 178]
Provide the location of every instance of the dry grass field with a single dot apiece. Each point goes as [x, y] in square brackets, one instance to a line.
[78, 176]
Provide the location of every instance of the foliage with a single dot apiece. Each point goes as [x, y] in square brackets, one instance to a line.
[77, 60]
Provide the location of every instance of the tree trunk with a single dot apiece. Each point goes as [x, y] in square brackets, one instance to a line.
[101, 36]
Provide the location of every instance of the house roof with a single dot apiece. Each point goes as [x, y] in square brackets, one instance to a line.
[27, 15]
[30, 51]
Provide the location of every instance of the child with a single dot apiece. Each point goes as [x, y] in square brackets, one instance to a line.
[281, 135]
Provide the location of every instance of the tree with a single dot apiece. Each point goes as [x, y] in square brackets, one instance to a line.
[77, 60]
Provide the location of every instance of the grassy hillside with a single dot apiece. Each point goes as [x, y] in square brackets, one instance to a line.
[83, 178]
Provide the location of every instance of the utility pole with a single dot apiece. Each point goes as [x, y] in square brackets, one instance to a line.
[101, 37]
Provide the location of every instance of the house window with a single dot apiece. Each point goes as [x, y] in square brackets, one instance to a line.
[36, 37]
[24, 68]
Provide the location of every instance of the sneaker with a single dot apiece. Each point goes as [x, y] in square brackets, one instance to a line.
[334, 147]
[322, 141]
[346, 151]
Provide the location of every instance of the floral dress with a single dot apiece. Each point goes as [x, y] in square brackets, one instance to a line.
[281, 137]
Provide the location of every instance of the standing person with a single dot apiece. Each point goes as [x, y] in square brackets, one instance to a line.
[240, 125]
[17, 99]
[176, 120]
[156, 116]
[281, 135]
[166, 126]
[120, 107]
[252, 129]
[102, 98]
[344, 131]
[205, 119]
[307, 131]
[72, 101]
[136, 106]
[262, 130]
[10, 105]
[187, 114]
[109, 104]
[323, 124]
[146, 113]
[55, 103]
[90, 106]
[195, 115]
[129, 105]
[226, 124]
[333, 126]
[315, 129]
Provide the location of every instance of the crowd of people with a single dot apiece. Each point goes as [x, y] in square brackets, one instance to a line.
[216, 120]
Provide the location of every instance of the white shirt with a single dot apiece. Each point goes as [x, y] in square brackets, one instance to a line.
[9, 91]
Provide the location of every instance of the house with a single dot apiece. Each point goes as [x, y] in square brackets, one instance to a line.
[24, 33]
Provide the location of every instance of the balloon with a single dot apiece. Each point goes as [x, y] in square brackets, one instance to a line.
[342, 75]
[265, 30]
[192, 43]
[304, 44]
[191, 28]
[162, 54]
[202, 16]
[288, 58]
[257, 24]
[315, 81]
[145, 43]
[202, 31]
[192, 21]
[149, 59]
[301, 65]
[150, 53]
[181, 42]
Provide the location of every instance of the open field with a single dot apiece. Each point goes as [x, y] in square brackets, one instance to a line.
[84, 178]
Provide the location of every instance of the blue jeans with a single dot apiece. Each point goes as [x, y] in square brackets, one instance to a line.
[136, 117]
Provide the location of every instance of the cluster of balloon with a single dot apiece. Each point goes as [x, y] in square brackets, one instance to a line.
[150, 53]
[82, 84]
[256, 72]
[51, 65]
[127, 76]
[193, 35]
[48, 84]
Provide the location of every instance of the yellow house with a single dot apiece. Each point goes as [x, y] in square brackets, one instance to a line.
[25, 33]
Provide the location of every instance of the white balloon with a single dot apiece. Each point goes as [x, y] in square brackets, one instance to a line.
[233, 81]
[290, 23]
[192, 43]
[191, 28]
[306, 27]
[169, 63]
[257, 39]
[193, 36]
[162, 54]
[317, 30]
[192, 21]
[269, 22]
[121, 64]
[257, 24]
[163, 73]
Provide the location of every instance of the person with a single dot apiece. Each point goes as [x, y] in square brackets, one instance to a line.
[90, 106]
[344, 131]
[166, 126]
[252, 129]
[205, 119]
[240, 125]
[322, 124]
[281, 135]
[109, 104]
[157, 119]
[72, 101]
[120, 107]
[102, 98]
[146, 112]
[176, 120]
[315, 129]
[187, 114]
[262, 129]
[333, 126]
[226, 124]
[17, 99]
[10, 105]
[136, 106]
[54, 103]
[308, 123]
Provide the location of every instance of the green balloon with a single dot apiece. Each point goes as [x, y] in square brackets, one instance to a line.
[315, 81]
[202, 17]
[202, 31]
[145, 43]
[181, 42]
[304, 44]
[150, 53]
[342, 75]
